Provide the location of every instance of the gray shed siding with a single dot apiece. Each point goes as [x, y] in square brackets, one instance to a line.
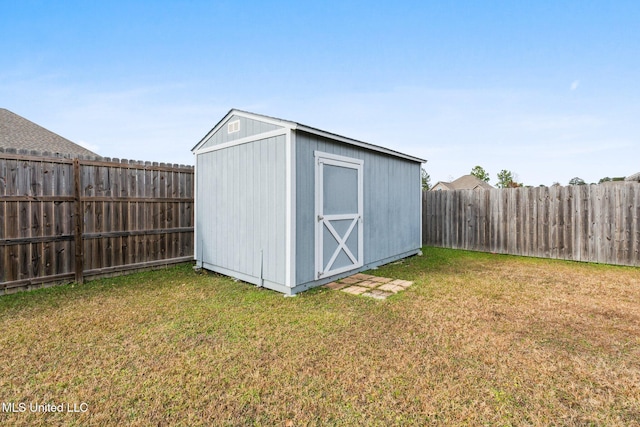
[391, 203]
[248, 127]
[240, 209]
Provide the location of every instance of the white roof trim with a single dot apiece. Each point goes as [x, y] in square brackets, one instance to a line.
[247, 115]
[297, 126]
[245, 140]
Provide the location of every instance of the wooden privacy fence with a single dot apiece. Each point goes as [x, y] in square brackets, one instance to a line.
[593, 223]
[64, 219]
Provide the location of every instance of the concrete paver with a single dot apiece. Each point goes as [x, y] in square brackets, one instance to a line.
[355, 290]
[377, 294]
[362, 276]
[336, 286]
[370, 286]
[403, 283]
[381, 279]
[406, 283]
[391, 288]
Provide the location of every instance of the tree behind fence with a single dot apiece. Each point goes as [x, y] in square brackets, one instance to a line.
[134, 215]
[593, 223]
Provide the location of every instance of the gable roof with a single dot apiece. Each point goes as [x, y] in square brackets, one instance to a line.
[300, 127]
[635, 177]
[465, 182]
[19, 133]
[444, 184]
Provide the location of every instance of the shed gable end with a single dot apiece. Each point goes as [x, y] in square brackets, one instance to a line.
[237, 127]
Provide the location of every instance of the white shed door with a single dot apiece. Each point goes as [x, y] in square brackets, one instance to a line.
[338, 210]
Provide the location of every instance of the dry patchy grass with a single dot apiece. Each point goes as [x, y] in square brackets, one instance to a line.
[478, 339]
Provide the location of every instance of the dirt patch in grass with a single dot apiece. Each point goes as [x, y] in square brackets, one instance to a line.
[478, 339]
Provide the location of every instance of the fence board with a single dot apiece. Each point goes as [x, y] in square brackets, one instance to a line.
[597, 223]
[132, 215]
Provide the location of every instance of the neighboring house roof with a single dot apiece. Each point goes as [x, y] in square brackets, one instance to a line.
[442, 185]
[635, 177]
[465, 182]
[297, 126]
[22, 134]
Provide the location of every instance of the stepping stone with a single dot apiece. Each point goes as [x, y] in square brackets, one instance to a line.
[391, 288]
[349, 280]
[336, 286]
[377, 294]
[404, 283]
[381, 279]
[369, 284]
[355, 290]
[361, 276]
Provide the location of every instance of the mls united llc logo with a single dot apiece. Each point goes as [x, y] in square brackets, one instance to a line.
[20, 407]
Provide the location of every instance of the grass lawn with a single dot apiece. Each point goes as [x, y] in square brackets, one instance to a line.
[478, 339]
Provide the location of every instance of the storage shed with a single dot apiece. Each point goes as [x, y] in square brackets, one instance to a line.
[289, 207]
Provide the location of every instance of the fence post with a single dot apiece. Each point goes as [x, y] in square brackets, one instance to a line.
[79, 222]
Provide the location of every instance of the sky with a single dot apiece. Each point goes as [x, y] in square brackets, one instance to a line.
[548, 90]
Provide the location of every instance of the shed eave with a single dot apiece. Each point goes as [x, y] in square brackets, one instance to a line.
[357, 143]
[308, 129]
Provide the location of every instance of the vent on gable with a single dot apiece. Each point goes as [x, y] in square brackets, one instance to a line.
[233, 126]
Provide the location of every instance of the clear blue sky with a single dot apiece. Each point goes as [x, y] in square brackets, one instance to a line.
[546, 89]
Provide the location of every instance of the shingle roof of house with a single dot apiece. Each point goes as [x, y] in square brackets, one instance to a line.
[19, 133]
[465, 182]
[444, 184]
[635, 177]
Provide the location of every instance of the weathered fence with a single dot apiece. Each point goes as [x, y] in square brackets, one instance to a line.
[64, 219]
[593, 223]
